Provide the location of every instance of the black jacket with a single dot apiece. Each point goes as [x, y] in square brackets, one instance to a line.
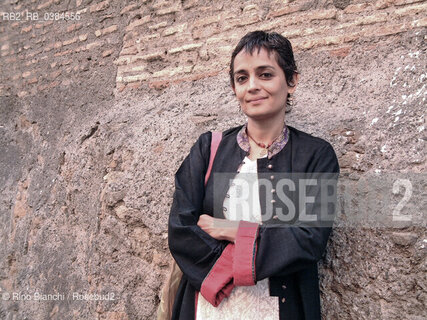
[288, 256]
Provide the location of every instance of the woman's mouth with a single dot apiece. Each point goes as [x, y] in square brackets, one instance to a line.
[256, 99]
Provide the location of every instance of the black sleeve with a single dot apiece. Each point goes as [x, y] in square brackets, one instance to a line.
[193, 249]
[282, 250]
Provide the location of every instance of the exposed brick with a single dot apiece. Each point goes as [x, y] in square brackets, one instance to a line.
[387, 30]
[356, 8]
[99, 6]
[321, 14]
[200, 33]
[32, 80]
[175, 29]
[105, 31]
[187, 47]
[57, 45]
[26, 74]
[190, 4]
[44, 5]
[199, 72]
[404, 2]
[63, 53]
[138, 22]
[207, 21]
[47, 24]
[48, 47]
[139, 77]
[48, 86]
[149, 37]
[158, 25]
[382, 4]
[149, 57]
[122, 60]
[78, 3]
[409, 10]
[22, 94]
[249, 20]
[129, 8]
[70, 41]
[5, 47]
[55, 74]
[160, 4]
[84, 10]
[74, 27]
[27, 29]
[109, 29]
[215, 40]
[365, 20]
[107, 53]
[159, 85]
[341, 52]
[131, 70]
[298, 18]
[250, 7]
[172, 9]
[53, 64]
[294, 32]
[32, 54]
[129, 51]
[289, 8]
[43, 39]
[170, 72]
[94, 44]
[221, 50]
[134, 85]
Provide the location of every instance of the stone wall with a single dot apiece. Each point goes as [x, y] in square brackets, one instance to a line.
[98, 113]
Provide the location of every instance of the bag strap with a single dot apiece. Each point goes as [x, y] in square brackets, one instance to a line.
[216, 139]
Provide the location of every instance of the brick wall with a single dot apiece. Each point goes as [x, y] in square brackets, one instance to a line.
[97, 114]
[156, 42]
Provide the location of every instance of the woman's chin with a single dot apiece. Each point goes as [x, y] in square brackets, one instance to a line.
[262, 115]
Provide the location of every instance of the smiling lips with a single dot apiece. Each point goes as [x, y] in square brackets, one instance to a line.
[257, 99]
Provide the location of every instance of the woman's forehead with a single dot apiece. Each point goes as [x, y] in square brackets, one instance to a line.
[258, 57]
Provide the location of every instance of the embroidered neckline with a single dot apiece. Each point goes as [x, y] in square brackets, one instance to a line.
[275, 148]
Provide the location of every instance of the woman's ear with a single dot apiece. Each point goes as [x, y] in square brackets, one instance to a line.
[294, 82]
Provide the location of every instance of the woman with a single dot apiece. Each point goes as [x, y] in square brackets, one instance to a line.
[265, 265]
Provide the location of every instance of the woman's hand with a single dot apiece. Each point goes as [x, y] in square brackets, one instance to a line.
[220, 229]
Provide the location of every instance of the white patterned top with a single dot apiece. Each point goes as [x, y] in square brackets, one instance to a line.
[251, 302]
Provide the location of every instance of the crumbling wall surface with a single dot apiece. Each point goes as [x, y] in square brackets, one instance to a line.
[97, 115]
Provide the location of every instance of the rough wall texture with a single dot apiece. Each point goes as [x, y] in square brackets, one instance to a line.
[98, 113]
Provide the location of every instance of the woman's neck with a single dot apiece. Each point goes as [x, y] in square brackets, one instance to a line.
[265, 131]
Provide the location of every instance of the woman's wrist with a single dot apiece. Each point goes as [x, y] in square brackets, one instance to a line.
[229, 231]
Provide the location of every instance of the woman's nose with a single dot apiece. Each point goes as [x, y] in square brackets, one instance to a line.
[253, 84]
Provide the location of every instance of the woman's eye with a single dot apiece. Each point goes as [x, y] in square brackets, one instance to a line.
[240, 79]
[266, 75]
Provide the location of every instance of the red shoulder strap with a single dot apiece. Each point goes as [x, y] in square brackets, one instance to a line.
[216, 139]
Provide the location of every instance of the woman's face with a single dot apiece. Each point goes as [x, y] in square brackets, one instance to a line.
[260, 85]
